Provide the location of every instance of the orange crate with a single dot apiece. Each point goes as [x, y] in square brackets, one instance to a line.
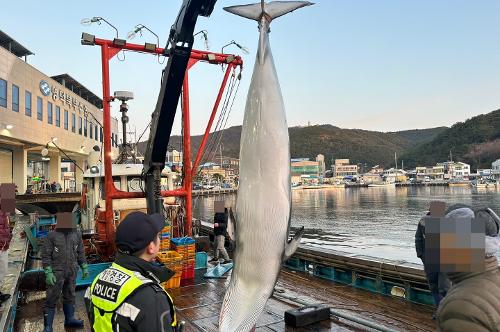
[165, 244]
[169, 257]
[174, 282]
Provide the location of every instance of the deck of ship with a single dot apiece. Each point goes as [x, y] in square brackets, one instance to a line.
[199, 302]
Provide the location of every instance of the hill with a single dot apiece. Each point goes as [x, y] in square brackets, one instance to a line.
[360, 146]
[475, 141]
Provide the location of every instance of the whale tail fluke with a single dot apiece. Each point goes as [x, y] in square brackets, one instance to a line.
[270, 10]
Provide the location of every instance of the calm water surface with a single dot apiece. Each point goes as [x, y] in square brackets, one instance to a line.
[377, 221]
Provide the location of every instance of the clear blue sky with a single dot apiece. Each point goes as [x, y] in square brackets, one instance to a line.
[379, 65]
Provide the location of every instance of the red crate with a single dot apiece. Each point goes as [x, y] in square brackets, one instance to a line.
[188, 270]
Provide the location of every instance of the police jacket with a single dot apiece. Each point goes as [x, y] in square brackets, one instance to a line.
[63, 250]
[129, 296]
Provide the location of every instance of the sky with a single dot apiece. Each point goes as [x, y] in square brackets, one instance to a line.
[384, 65]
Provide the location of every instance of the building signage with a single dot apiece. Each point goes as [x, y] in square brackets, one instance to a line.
[44, 88]
[64, 97]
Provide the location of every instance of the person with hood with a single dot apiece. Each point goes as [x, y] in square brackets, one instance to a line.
[62, 252]
[128, 296]
[439, 284]
[473, 302]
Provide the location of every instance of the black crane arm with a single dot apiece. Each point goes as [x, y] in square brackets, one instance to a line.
[181, 44]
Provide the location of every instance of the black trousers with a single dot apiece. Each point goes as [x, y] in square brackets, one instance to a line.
[65, 284]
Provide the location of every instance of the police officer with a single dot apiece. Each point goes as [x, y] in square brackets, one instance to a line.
[62, 250]
[128, 296]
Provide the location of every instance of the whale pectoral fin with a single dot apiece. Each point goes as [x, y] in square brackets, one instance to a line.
[231, 225]
[293, 244]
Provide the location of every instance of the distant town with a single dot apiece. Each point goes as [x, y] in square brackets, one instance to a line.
[223, 173]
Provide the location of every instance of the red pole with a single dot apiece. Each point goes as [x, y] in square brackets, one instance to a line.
[187, 155]
[108, 176]
[210, 122]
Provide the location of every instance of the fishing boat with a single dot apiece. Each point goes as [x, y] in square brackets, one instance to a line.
[459, 183]
[382, 184]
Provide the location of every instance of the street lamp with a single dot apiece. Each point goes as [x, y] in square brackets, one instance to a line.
[97, 19]
[204, 37]
[232, 42]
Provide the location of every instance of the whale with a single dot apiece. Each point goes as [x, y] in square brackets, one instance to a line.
[263, 204]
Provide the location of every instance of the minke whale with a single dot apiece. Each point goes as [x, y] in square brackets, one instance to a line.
[264, 195]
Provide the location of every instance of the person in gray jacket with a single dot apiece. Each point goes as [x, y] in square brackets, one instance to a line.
[62, 252]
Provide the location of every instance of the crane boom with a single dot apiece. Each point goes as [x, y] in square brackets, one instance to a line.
[181, 44]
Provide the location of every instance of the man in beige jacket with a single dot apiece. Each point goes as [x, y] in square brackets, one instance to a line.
[473, 302]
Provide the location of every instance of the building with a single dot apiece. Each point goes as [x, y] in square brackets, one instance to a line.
[431, 173]
[372, 177]
[495, 169]
[174, 157]
[307, 171]
[393, 175]
[342, 168]
[455, 170]
[55, 115]
[377, 169]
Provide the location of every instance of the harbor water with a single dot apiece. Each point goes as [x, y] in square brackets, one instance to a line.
[375, 221]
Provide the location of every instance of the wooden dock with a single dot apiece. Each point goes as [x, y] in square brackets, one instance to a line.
[198, 303]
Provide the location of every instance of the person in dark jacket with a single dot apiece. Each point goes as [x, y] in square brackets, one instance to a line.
[62, 252]
[128, 296]
[220, 226]
[439, 284]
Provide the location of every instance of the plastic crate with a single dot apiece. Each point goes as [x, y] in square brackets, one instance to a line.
[174, 282]
[165, 244]
[188, 270]
[201, 260]
[169, 257]
[172, 260]
[182, 241]
[94, 270]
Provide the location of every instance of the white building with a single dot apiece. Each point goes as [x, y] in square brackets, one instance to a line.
[455, 170]
[495, 169]
[44, 121]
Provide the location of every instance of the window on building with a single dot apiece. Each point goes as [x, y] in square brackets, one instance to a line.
[73, 122]
[85, 124]
[27, 103]
[80, 125]
[49, 112]
[101, 138]
[39, 108]
[91, 130]
[3, 93]
[96, 137]
[65, 119]
[58, 116]
[15, 98]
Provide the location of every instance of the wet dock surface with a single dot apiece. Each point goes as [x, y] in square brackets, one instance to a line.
[199, 304]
